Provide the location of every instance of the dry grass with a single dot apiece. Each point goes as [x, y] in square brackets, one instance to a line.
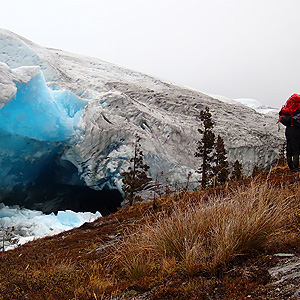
[214, 244]
[203, 237]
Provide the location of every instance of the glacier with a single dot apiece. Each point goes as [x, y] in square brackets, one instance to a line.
[68, 124]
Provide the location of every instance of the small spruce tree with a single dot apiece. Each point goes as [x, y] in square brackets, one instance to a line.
[237, 172]
[135, 179]
[8, 238]
[221, 164]
[205, 147]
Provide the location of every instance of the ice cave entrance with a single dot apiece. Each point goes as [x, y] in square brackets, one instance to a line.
[35, 128]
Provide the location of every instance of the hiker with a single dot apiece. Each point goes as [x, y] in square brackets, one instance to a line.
[292, 134]
[290, 117]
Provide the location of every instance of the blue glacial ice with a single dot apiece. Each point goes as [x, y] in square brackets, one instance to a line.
[38, 112]
[35, 125]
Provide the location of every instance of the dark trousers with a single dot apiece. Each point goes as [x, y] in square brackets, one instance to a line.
[292, 134]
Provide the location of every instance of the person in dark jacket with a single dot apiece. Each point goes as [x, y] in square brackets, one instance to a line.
[289, 116]
[292, 134]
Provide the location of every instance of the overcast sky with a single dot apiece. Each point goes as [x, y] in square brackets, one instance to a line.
[234, 48]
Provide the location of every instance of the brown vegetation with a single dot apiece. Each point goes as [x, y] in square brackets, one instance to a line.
[211, 244]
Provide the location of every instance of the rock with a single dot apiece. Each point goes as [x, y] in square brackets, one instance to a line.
[286, 277]
[284, 254]
[296, 295]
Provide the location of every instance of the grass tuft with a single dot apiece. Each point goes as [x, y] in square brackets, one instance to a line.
[204, 236]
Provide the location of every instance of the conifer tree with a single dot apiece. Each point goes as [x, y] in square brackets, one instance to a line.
[237, 172]
[221, 164]
[205, 147]
[8, 238]
[135, 179]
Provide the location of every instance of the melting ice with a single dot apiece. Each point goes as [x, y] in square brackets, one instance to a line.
[31, 224]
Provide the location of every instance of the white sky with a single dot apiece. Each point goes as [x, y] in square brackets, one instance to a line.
[234, 48]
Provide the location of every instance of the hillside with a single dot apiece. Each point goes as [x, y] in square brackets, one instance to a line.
[110, 259]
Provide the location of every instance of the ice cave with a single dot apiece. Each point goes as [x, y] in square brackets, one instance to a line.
[36, 125]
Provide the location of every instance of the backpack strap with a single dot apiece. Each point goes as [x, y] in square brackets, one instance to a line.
[280, 117]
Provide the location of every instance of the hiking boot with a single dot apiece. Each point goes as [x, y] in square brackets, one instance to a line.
[289, 160]
[296, 162]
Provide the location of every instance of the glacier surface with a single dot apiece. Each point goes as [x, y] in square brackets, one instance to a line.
[79, 118]
[251, 103]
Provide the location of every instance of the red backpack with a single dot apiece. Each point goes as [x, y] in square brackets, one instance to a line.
[289, 110]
